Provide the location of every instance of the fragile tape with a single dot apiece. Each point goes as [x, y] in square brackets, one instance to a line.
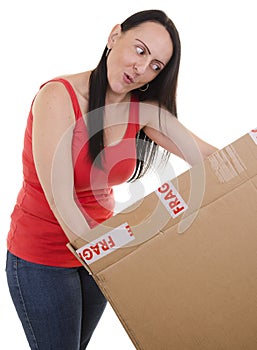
[106, 244]
[171, 199]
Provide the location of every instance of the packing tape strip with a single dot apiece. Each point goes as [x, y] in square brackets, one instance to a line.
[226, 164]
[106, 244]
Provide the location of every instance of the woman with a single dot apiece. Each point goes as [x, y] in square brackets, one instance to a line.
[85, 133]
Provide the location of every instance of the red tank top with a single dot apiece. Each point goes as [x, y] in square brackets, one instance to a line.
[35, 234]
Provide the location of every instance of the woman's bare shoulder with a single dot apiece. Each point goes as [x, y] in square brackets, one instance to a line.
[80, 84]
[149, 112]
[79, 81]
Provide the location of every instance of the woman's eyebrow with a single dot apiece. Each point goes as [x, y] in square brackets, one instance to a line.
[147, 48]
[144, 45]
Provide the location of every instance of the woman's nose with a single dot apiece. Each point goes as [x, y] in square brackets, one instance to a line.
[141, 66]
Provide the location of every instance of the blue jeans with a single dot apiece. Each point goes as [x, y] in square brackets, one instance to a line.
[59, 308]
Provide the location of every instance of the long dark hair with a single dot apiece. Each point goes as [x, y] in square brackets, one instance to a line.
[162, 89]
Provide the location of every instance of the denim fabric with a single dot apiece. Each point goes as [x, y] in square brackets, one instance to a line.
[59, 308]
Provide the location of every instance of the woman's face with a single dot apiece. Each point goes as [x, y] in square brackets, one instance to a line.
[137, 56]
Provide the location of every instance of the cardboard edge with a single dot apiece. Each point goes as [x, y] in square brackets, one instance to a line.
[107, 296]
[73, 251]
[130, 333]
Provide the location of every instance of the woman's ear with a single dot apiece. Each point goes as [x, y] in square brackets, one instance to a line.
[114, 35]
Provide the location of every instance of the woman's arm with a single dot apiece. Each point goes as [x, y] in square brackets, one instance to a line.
[53, 123]
[170, 134]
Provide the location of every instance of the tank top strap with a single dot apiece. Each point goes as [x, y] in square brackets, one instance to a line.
[134, 113]
[73, 96]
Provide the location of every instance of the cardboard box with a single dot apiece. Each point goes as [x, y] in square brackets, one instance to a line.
[179, 267]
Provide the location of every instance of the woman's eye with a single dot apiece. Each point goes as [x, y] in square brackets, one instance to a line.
[140, 51]
[156, 67]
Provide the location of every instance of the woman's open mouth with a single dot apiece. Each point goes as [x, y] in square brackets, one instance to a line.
[128, 79]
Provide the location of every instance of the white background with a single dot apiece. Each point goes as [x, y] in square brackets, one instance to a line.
[43, 39]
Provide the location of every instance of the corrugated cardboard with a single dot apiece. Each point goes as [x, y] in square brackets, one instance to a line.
[186, 278]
